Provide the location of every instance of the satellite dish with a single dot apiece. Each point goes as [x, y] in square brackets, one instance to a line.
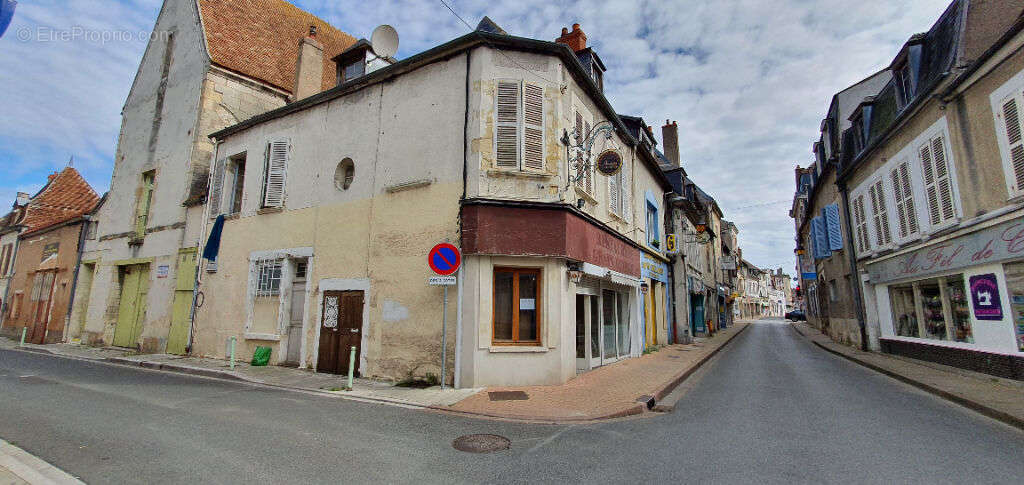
[384, 41]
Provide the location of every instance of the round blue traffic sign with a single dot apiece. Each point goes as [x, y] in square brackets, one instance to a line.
[444, 259]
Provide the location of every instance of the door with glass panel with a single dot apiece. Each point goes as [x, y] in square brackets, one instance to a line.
[588, 329]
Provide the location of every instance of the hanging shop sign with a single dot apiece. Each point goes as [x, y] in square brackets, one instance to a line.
[609, 163]
[985, 296]
[994, 244]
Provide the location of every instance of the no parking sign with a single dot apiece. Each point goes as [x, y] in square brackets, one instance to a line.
[444, 259]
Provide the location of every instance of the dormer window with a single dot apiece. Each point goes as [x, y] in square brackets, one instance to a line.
[858, 133]
[904, 85]
[353, 70]
[598, 78]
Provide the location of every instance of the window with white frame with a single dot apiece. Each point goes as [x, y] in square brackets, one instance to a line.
[1007, 102]
[903, 192]
[879, 214]
[937, 181]
[268, 277]
[860, 224]
[519, 131]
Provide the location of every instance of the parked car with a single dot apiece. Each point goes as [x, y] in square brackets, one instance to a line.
[796, 315]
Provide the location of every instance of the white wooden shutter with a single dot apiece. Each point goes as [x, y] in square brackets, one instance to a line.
[904, 196]
[277, 170]
[507, 129]
[861, 224]
[533, 126]
[614, 195]
[943, 179]
[937, 184]
[879, 214]
[217, 187]
[626, 184]
[1014, 143]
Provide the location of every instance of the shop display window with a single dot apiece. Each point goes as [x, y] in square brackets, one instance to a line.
[1015, 286]
[935, 309]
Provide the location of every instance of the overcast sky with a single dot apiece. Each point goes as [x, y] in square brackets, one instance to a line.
[747, 81]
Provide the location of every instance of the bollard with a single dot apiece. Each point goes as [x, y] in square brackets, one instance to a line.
[24, 330]
[351, 365]
[233, 340]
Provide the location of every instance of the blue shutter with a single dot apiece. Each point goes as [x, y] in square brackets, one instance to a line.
[814, 239]
[821, 248]
[835, 233]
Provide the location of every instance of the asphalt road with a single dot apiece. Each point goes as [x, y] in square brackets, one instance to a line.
[771, 408]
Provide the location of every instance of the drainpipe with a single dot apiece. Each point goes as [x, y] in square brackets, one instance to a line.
[858, 299]
[457, 375]
[74, 277]
[199, 253]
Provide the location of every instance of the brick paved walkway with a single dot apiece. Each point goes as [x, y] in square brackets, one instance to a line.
[606, 392]
[1002, 399]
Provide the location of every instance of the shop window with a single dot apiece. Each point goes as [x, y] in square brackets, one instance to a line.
[1015, 286]
[934, 309]
[516, 306]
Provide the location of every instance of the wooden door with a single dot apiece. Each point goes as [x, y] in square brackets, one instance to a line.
[293, 354]
[41, 317]
[181, 313]
[132, 308]
[341, 326]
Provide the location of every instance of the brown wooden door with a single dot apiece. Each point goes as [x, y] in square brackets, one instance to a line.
[341, 327]
[37, 333]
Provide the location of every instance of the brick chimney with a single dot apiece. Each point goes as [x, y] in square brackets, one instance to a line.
[670, 140]
[309, 67]
[22, 199]
[576, 40]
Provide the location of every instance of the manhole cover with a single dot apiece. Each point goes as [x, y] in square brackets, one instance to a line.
[481, 443]
[507, 396]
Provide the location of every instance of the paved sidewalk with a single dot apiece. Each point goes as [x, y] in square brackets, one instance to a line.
[287, 377]
[606, 392]
[18, 467]
[998, 398]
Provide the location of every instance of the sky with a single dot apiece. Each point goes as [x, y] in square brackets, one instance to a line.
[748, 81]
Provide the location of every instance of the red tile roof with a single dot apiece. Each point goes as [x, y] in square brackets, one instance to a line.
[66, 196]
[260, 39]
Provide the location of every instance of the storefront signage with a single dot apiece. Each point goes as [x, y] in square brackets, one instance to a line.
[991, 245]
[653, 269]
[985, 296]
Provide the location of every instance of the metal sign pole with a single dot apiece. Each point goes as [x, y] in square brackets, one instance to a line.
[444, 335]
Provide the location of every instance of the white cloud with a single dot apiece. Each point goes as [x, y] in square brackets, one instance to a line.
[747, 80]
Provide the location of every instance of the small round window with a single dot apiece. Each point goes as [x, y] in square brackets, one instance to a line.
[344, 174]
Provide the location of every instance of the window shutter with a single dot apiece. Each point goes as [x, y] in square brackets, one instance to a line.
[277, 169]
[507, 129]
[819, 232]
[901, 212]
[533, 127]
[626, 184]
[908, 198]
[217, 187]
[613, 195]
[579, 127]
[860, 221]
[879, 214]
[1014, 141]
[835, 234]
[942, 179]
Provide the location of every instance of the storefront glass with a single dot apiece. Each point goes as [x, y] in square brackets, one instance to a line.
[934, 309]
[609, 323]
[623, 306]
[1015, 285]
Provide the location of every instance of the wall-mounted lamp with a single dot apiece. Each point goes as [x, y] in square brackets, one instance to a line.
[581, 203]
[644, 287]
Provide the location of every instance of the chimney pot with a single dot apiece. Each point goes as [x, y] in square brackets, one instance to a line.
[576, 40]
[312, 31]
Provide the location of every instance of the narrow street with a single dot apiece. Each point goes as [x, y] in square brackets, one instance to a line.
[770, 408]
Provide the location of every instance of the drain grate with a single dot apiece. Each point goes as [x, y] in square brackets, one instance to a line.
[508, 396]
[481, 443]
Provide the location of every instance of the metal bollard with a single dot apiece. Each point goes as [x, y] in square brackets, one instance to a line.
[24, 330]
[351, 365]
[233, 340]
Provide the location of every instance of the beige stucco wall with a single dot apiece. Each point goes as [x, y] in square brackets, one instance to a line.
[407, 130]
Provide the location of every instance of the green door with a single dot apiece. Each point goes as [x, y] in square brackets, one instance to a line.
[132, 309]
[181, 316]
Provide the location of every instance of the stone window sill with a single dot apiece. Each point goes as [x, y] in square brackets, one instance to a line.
[526, 349]
[518, 173]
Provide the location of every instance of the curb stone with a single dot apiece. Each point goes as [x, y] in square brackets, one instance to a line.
[954, 398]
[31, 468]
